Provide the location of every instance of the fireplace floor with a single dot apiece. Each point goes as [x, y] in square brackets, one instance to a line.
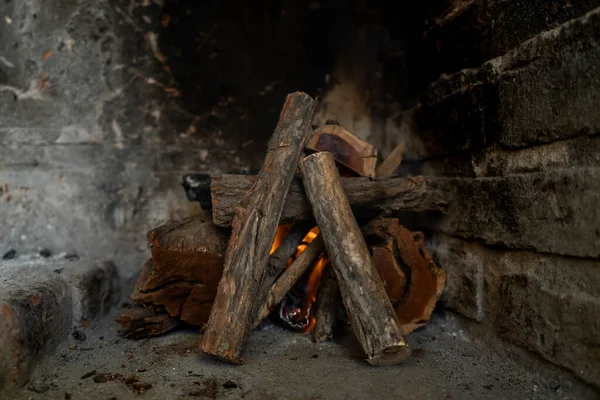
[281, 364]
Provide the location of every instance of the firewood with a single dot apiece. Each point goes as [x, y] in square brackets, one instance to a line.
[368, 198]
[391, 163]
[278, 260]
[372, 316]
[142, 322]
[289, 278]
[328, 300]
[254, 229]
[184, 272]
[348, 149]
[194, 245]
[413, 281]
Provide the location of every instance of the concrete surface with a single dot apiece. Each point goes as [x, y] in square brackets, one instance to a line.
[446, 364]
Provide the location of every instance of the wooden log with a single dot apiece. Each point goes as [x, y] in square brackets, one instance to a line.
[328, 300]
[372, 316]
[254, 228]
[143, 322]
[391, 163]
[191, 250]
[413, 281]
[278, 260]
[289, 278]
[348, 149]
[368, 198]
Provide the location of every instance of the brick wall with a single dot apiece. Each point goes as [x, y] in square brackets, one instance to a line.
[509, 122]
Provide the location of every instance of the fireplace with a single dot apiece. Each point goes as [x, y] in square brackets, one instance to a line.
[108, 105]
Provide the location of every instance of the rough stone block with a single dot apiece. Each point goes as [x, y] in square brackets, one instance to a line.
[552, 212]
[545, 303]
[41, 300]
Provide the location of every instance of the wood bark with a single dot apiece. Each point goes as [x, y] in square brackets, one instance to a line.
[348, 149]
[391, 163]
[368, 198]
[412, 280]
[254, 229]
[185, 268]
[142, 322]
[328, 300]
[372, 316]
[289, 278]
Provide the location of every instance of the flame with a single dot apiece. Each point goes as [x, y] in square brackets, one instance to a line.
[312, 287]
[280, 235]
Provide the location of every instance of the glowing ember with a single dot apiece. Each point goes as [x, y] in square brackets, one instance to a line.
[312, 287]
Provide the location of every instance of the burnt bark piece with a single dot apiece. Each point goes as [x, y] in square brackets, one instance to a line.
[328, 300]
[368, 198]
[254, 229]
[372, 316]
[289, 278]
[413, 281]
[142, 322]
[347, 149]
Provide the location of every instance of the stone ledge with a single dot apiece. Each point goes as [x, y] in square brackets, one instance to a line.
[544, 303]
[41, 300]
[550, 212]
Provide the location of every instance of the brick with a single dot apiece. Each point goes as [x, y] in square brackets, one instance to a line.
[544, 303]
[41, 300]
[552, 212]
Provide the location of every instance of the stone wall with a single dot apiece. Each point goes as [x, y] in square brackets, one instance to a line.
[510, 125]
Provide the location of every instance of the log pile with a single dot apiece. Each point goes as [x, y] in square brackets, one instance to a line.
[321, 190]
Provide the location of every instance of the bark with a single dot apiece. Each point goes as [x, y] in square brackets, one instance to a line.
[254, 228]
[372, 316]
[368, 198]
[413, 281]
[142, 322]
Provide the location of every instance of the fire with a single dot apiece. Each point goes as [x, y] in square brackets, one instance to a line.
[280, 235]
[312, 287]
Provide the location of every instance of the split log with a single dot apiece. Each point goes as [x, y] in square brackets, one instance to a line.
[413, 281]
[142, 322]
[328, 300]
[368, 198]
[348, 149]
[184, 272]
[372, 316]
[289, 278]
[254, 229]
[391, 163]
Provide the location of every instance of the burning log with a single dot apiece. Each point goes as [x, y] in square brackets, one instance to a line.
[289, 277]
[413, 281]
[372, 316]
[348, 149]
[328, 300]
[142, 322]
[254, 228]
[368, 198]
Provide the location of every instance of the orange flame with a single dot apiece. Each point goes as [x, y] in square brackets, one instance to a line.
[312, 287]
[280, 235]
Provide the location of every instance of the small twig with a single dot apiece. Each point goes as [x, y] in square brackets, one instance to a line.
[391, 163]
